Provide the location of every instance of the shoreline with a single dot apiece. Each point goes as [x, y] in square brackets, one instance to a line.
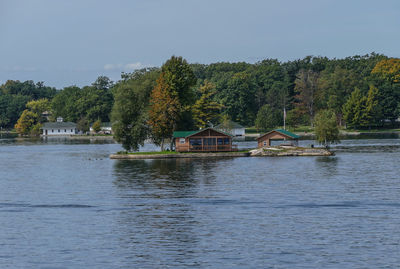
[260, 152]
[178, 155]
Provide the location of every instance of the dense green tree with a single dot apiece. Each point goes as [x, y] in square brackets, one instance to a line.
[15, 94]
[92, 102]
[38, 106]
[336, 87]
[326, 127]
[130, 110]
[238, 99]
[65, 104]
[371, 114]
[27, 88]
[352, 109]
[206, 110]
[103, 83]
[268, 118]
[11, 107]
[180, 79]
[83, 125]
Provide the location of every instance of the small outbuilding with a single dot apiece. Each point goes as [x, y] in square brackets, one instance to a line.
[205, 140]
[276, 137]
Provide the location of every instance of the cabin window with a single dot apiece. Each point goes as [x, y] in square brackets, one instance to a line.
[182, 140]
[65, 130]
[52, 130]
[209, 141]
[71, 130]
[226, 141]
[195, 141]
[220, 141]
[58, 130]
[265, 143]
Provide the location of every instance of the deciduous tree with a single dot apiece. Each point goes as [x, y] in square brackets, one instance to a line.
[164, 111]
[96, 126]
[268, 118]
[130, 110]
[326, 127]
[306, 86]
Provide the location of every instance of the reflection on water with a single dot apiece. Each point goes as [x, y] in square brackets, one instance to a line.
[160, 220]
[173, 175]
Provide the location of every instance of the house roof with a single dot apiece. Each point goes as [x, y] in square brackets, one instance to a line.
[284, 132]
[185, 134]
[232, 124]
[58, 125]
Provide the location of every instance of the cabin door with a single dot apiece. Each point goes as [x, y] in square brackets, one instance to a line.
[46, 132]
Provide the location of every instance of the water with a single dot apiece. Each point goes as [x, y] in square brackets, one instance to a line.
[64, 204]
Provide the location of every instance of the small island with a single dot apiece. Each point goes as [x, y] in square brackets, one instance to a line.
[212, 143]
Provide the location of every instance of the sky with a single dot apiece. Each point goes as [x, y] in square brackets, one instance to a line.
[64, 43]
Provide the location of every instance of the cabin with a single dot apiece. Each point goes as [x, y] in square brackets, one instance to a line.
[231, 127]
[276, 137]
[59, 128]
[205, 140]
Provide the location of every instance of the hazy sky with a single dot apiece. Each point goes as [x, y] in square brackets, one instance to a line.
[67, 42]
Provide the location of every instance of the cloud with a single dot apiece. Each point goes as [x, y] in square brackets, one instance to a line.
[124, 67]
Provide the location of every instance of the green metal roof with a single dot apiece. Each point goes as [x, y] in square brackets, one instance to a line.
[178, 134]
[292, 135]
[284, 132]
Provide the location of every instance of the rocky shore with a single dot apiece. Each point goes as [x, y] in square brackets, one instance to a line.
[289, 151]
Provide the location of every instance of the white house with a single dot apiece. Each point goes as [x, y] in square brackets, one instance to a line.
[231, 127]
[59, 128]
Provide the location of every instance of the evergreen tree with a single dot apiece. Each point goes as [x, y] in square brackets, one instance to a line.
[205, 110]
[371, 113]
[353, 108]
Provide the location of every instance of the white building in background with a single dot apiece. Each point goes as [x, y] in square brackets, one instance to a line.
[59, 128]
[232, 128]
[105, 128]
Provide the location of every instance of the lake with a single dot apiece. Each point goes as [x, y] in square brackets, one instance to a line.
[65, 204]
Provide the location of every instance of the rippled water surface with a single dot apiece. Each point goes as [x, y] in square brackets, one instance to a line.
[64, 204]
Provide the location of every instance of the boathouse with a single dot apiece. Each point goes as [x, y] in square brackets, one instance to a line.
[276, 137]
[59, 128]
[205, 140]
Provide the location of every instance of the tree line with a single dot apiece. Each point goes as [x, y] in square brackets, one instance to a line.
[361, 91]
